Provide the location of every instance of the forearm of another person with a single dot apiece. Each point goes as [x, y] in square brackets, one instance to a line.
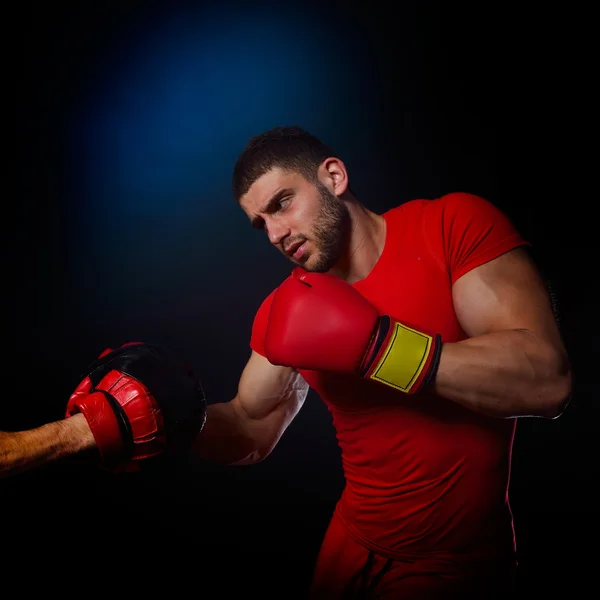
[23, 450]
[514, 362]
[246, 429]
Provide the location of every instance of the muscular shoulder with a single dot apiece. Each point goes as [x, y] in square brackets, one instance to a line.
[462, 230]
[457, 211]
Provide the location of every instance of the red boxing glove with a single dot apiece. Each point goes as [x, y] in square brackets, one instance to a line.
[321, 323]
[139, 401]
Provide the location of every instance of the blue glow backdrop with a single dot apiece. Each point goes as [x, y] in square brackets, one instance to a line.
[154, 131]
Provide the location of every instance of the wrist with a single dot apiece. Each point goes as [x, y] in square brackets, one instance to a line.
[80, 435]
[403, 357]
[105, 425]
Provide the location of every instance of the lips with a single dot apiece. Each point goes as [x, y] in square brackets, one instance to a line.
[291, 250]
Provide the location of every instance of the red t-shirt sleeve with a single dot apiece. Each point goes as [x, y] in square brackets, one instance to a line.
[259, 326]
[474, 232]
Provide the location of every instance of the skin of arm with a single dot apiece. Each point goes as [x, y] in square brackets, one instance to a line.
[23, 450]
[514, 362]
[246, 429]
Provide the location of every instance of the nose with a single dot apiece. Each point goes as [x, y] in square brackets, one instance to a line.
[276, 231]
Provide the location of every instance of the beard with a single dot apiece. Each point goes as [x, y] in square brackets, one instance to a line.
[331, 231]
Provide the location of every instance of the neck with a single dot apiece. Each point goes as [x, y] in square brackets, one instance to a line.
[365, 244]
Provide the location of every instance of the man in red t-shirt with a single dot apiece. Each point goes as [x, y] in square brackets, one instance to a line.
[426, 478]
[426, 330]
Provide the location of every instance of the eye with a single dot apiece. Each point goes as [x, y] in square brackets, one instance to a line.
[282, 204]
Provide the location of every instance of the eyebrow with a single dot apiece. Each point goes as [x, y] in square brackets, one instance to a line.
[269, 205]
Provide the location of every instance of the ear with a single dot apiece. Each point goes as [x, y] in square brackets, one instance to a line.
[333, 175]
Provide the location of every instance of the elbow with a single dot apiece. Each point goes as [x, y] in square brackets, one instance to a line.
[557, 395]
[254, 457]
[263, 452]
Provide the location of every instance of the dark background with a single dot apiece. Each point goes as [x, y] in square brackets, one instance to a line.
[128, 117]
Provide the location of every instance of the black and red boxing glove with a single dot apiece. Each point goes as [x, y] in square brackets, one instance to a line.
[140, 401]
[319, 322]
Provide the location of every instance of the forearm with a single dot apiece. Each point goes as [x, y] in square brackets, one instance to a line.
[504, 374]
[24, 450]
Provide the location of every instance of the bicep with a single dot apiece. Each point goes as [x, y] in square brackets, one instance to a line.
[269, 396]
[506, 293]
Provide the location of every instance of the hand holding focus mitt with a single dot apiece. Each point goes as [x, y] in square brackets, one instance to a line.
[140, 401]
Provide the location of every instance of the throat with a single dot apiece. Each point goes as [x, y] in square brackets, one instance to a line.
[365, 248]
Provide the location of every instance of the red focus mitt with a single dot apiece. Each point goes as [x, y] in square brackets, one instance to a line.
[140, 401]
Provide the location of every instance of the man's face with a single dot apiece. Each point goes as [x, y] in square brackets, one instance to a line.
[303, 220]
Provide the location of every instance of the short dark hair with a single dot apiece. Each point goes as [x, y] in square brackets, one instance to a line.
[290, 148]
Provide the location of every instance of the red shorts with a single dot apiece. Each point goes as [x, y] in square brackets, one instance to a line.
[347, 570]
